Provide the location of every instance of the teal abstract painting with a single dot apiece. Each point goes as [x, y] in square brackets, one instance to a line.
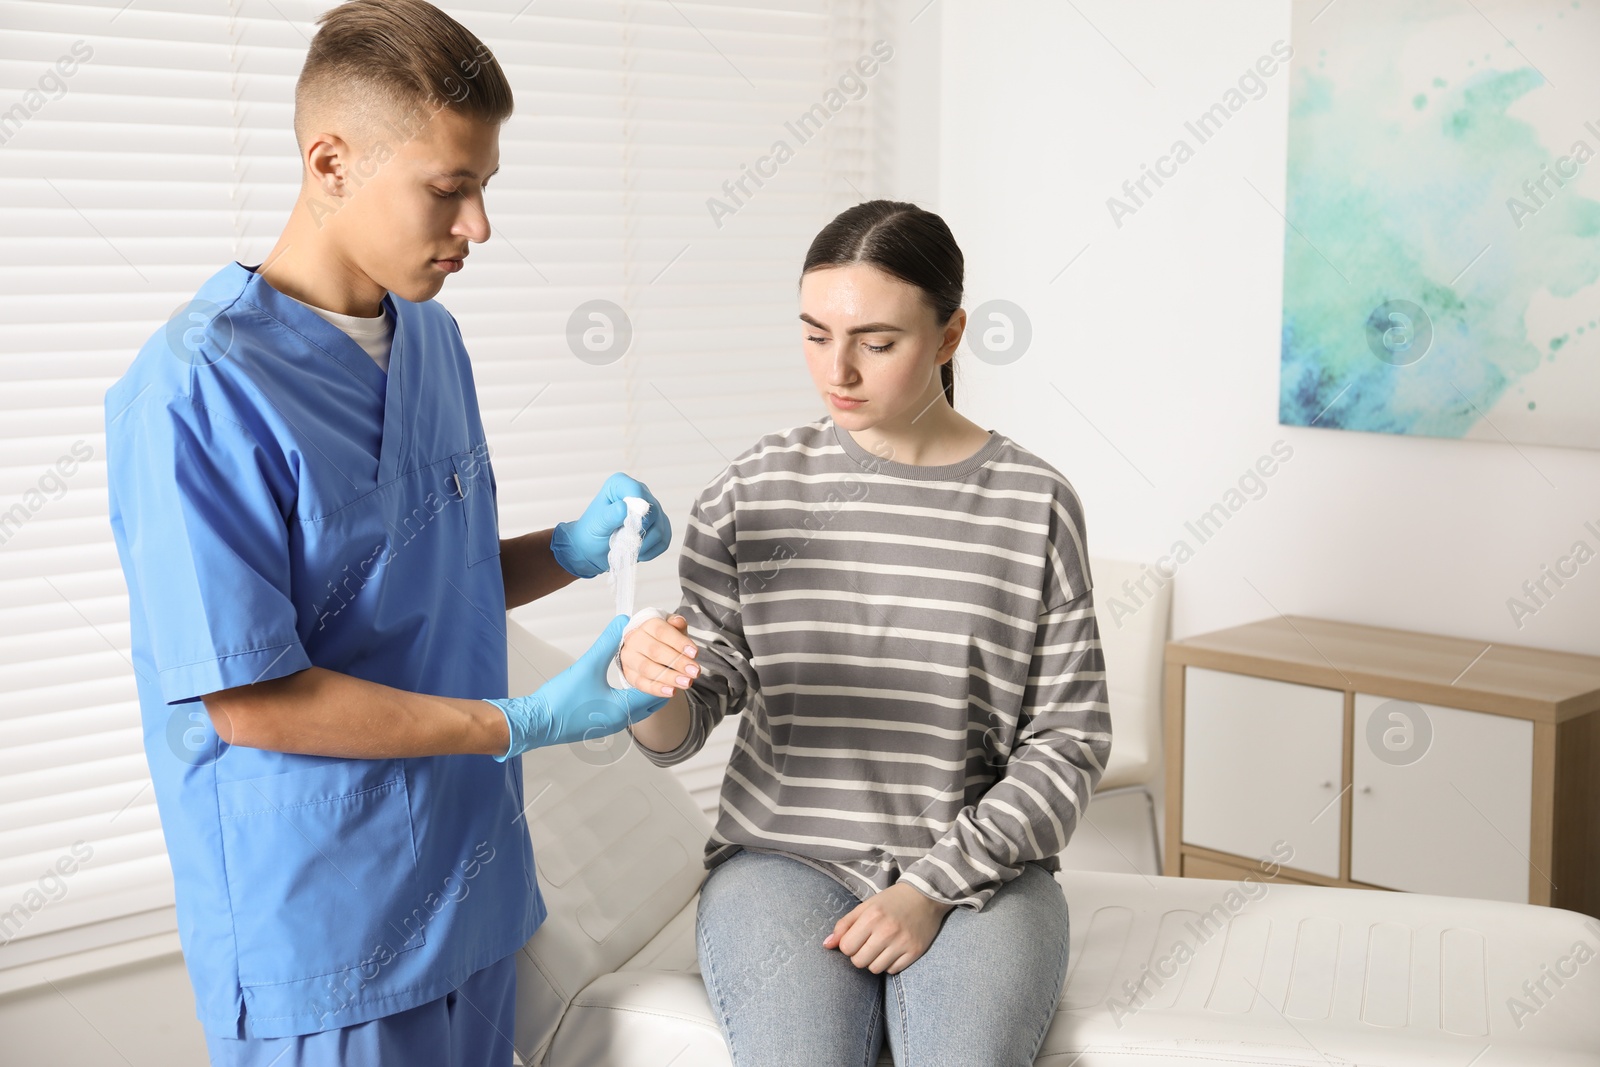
[1442, 252]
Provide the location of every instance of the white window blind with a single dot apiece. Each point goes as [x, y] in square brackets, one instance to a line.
[143, 146]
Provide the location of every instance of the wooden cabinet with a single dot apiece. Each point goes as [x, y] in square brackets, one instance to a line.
[1458, 820]
[1264, 762]
[1361, 756]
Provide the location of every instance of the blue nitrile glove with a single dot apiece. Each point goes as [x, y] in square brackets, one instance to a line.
[578, 703]
[581, 547]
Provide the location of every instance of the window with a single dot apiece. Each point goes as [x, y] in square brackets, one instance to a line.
[145, 145]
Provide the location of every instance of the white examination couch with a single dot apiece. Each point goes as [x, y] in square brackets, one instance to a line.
[1295, 975]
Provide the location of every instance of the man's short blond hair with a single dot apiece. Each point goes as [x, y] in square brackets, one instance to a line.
[397, 56]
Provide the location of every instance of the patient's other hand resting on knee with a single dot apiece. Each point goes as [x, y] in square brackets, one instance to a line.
[657, 656]
[890, 930]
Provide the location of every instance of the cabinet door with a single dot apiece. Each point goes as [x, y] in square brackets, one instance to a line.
[1443, 802]
[1262, 763]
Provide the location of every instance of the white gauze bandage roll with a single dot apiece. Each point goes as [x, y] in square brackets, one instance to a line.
[623, 561]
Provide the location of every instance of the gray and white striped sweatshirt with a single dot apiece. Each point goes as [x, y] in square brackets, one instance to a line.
[915, 652]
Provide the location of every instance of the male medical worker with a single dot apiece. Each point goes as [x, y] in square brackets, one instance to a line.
[305, 513]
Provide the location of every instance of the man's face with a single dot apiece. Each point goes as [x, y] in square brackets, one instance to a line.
[414, 200]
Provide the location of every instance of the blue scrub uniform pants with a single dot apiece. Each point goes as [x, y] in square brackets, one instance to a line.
[470, 1026]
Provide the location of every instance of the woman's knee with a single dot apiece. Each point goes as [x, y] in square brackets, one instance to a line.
[779, 996]
[939, 1013]
[760, 924]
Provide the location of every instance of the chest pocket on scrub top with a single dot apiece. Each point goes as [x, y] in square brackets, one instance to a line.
[473, 491]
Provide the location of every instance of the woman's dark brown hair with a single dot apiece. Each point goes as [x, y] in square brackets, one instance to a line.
[905, 241]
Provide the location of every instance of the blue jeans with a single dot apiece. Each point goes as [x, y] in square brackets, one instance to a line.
[470, 1026]
[983, 994]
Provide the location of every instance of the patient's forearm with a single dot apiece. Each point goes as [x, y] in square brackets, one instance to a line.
[665, 730]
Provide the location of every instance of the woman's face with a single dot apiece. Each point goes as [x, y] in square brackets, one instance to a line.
[871, 338]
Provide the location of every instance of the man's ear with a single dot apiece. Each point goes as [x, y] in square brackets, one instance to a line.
[327, 159]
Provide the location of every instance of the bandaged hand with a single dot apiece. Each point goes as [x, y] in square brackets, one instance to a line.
[577, 704]
[581, 546]
[657, 656]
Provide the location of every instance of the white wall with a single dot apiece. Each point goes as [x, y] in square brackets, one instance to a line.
[1165, 335]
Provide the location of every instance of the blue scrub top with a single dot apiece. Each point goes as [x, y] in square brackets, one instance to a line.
[279, 502]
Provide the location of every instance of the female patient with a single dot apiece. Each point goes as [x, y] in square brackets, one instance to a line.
[899, 601]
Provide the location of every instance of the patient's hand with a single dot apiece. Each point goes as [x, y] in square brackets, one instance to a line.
[890, 930]
[658, 657]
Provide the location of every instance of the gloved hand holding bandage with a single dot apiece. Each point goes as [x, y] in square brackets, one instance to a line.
[581, 547]
[577, 703]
